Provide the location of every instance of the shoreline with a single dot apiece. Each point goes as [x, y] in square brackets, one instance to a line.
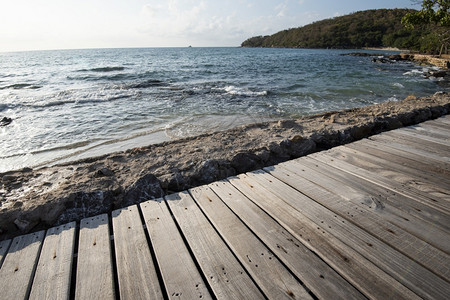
[49, 196]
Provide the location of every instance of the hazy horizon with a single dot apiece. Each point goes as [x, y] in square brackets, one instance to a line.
[59, 25]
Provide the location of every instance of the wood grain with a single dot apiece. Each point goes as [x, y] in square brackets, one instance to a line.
[94, 265]
[328, 192]
[54, 269]
[135, 268]
[266, 270]
[222, 270]
[19, 265]
[359, 271]
[416, 277]
[319, 277]
[181, 277]
[4, 245]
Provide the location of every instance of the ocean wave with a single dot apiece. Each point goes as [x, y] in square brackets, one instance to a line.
[233, 90]
[399, 85]
[146, 84]
[413, 72]
[72, 146]
[99, 78]
[18, 86]
[4, 107]
[67, 98]
[103, 69]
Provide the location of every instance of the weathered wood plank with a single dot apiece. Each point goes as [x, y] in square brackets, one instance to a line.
[426, 136]
[435, 196]
[420, 141]
[317, 276]
[18, 267]
[4, 245]
[410, 198]
[408, 145]
[266, 270]
[433, 129]
[436, 125]
[442, 120]
[179, 272]
[327, 192]
[225, 275]
[54, 269]
[408, 164]
[135, 268]
[419, 161]
[383, 201]
[94, 265]
[363, 274]
[416, 277]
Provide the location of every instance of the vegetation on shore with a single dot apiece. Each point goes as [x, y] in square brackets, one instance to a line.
[370, 28]
[435, 12]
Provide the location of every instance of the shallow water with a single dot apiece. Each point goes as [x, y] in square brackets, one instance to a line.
[72, 104]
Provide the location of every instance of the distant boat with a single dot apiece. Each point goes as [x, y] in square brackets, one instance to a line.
[190, 46]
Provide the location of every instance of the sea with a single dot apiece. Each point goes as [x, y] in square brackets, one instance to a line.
[72, 104]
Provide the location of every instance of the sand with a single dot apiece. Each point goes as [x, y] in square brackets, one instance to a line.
[41, 198]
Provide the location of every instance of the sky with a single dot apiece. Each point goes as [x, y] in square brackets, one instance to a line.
[77, 24]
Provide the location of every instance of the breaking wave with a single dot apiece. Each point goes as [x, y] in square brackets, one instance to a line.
[233, 90]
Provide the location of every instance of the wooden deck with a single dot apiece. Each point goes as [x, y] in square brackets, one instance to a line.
[367, 220]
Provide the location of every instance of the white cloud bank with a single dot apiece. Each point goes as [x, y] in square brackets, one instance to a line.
[64, 24]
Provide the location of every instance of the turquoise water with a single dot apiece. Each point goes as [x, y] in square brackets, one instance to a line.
[72, 104]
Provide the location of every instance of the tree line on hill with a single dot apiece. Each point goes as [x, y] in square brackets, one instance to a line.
[370, 28]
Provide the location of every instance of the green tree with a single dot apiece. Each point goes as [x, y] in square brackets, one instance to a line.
[435, 12]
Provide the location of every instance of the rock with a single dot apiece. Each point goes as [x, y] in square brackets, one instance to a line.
[440, 93]
[393, 123]
[80, 205]
[104, 172]
[246, 161]
[276, 148]
[145, 188]
[174, 182]
[212, 170]
[263, 154]
[298, 146]
[287, 124]
[363, 54]
[361, 131]
[297, 139]
[383, 60]
[436, 74]
[8, 178]
[5, 121]
[23, 225]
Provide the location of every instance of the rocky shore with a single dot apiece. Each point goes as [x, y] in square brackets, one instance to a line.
[36, 199]
[442, 62]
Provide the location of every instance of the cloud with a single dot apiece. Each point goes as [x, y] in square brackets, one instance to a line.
[205, 23]
[170, 18]
[150, 10]
[177, 23]
[281, 8]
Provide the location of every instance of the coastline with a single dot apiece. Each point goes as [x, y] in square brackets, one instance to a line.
[35, 199]
[442, 61]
